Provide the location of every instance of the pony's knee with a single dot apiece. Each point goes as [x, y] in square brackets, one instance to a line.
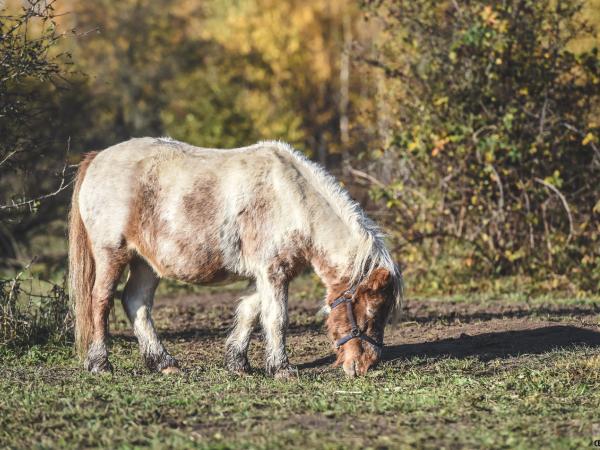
[248, 309]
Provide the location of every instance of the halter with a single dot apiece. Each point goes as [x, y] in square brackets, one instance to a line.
[347, 297]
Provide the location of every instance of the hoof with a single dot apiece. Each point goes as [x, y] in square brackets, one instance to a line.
[161, 362]
[100, 369]
[238, 365]
[171, 370]
[286, 373]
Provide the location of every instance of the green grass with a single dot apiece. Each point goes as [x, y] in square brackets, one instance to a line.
[550, 399]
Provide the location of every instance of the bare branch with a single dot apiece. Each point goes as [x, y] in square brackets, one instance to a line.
[564, 202]
[7, 157]
[498, 181]
[365, 176]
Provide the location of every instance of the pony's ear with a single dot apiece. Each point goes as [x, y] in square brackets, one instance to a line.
[378, 279]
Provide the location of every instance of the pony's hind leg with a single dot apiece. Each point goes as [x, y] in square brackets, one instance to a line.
[236, 353]
[109, 266]
[138, 298]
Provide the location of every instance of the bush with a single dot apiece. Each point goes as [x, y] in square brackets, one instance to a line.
[28, 318]
[497, 144]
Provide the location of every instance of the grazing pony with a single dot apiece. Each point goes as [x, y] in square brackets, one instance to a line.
[263, 212]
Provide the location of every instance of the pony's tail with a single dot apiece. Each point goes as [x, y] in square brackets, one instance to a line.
[82, 272]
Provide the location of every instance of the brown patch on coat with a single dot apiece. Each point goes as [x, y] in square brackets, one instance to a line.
[200, 207]
[108, 274]
[251, 222]
[199, 257]
[144, 223]
[327, 272]
[290, 259]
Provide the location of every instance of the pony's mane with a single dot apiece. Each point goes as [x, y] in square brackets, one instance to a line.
[371, 252]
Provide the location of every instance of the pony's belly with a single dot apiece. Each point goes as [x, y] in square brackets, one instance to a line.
[194, 267]
[187, 261]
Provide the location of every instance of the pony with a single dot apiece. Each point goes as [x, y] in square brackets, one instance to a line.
[200, 215]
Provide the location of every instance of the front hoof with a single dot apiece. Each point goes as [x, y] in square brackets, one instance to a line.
[238, 365]
[173, 370]
[240, 369]
[104, 367]
[286, 373]
[160, 362]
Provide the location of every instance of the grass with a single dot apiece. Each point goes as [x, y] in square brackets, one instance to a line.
[545, 397]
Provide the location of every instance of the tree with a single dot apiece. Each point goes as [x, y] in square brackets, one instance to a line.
[32, 170]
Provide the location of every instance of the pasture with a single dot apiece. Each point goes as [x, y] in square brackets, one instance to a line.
[463, 141]
[466, 371]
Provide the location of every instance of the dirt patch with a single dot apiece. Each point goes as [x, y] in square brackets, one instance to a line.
[199, 323]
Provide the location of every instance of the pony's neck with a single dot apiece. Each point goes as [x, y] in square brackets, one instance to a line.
[333, 271]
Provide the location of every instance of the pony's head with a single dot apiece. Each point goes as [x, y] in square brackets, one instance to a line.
[358, 317]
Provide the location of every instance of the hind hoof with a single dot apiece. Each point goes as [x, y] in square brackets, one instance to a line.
[286, 373]
[170, 370]
[100, 369]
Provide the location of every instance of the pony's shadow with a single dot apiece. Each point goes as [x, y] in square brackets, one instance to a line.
[488, 346]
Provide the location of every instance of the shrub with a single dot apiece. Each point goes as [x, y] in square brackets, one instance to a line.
[28, 318]
[497, 143]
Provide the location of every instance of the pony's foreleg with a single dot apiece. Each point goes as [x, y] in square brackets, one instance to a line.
[109, 266]
[138, 298]
[274, 319]
[236, 348]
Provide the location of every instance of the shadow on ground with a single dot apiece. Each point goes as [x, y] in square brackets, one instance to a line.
[488, 346]
[425, 312]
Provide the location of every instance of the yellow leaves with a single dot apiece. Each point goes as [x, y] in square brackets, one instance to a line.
[439, 146]
[588, 138]
[283, 33]
[489, 16]
[554, 179]
[440, 101]
[413, 146]
[524, 92]
[377, 153]
[514, 256]
[502, 26]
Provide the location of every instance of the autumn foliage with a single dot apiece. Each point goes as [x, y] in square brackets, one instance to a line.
[468, 129]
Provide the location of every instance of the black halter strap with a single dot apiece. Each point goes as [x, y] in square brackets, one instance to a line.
[347, 297]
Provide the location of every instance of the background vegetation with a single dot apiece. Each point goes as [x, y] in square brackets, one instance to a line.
[469, 129]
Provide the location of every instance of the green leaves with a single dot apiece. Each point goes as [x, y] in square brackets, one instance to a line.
[494, 99]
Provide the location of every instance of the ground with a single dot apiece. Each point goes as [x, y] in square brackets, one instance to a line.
[468, 371]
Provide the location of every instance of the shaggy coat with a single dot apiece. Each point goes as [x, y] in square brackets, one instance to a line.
[200, 215]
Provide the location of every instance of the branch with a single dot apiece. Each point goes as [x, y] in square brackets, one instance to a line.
[63, 185]
[564, 202]
[365, 176]
[8, 156]
[498, 181]
[30, 202]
